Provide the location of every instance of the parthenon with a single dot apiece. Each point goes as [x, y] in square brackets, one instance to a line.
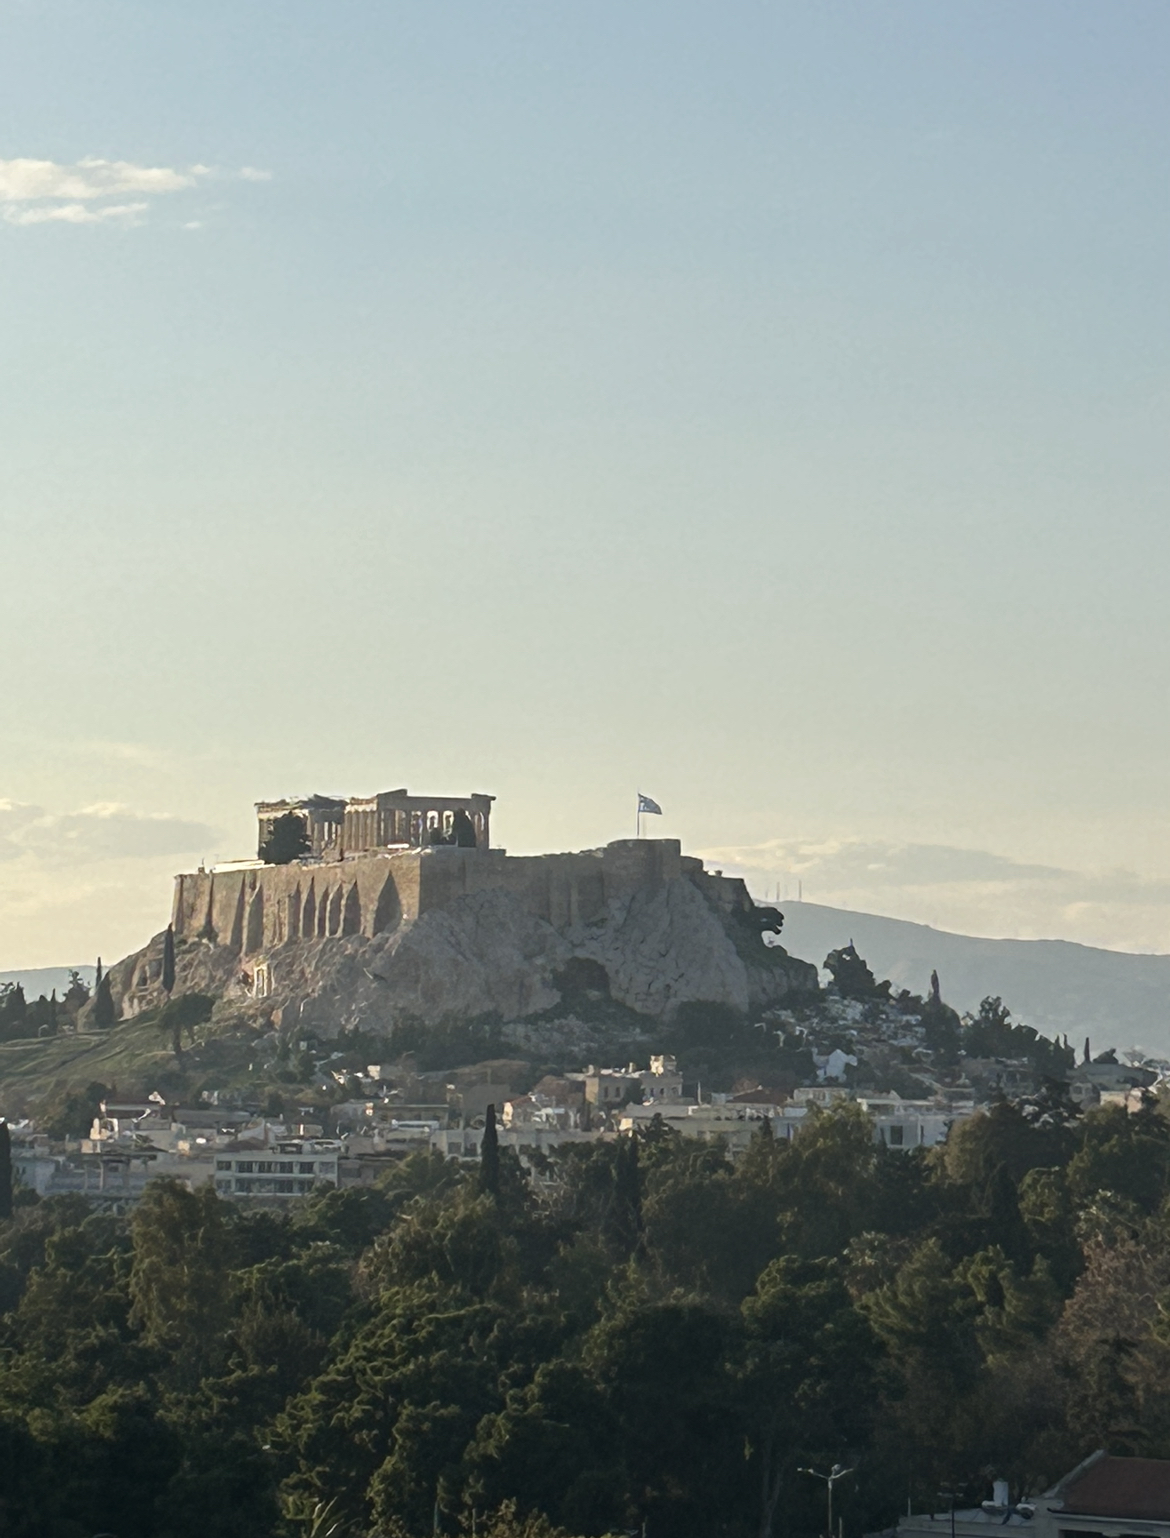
[393, 819]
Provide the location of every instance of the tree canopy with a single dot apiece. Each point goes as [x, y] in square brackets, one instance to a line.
[287, 840]
[650, 1332]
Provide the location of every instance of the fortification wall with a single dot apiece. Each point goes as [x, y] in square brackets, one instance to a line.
[250, 910]
[254, 909]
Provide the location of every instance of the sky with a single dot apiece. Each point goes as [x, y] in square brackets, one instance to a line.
[761, 405]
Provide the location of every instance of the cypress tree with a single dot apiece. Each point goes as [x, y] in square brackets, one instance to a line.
[168, 968]
[104, 1014]
[625, 1226]
[5, 1173]
[489, 1155]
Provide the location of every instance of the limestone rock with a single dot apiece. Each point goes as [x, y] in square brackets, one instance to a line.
[662, 943]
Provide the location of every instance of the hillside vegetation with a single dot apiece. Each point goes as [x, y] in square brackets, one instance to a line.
[1118, 998]
[646, 1334]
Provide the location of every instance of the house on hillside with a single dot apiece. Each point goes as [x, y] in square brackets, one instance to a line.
[1103, 1497]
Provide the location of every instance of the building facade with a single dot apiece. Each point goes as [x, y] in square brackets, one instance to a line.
[287, 1168]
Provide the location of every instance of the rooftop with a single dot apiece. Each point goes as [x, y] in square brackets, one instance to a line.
[1117, 1487]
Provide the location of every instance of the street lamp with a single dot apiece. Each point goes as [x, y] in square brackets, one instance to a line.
[831, 1478]
[952, 1496]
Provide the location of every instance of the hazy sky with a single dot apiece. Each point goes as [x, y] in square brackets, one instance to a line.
[764, 405]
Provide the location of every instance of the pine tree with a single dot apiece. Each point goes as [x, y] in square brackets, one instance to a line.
[5, 1173]
[489, 1155]
[168, 966]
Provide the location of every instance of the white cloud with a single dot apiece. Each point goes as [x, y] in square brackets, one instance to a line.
[76, 213]
[102, 831]
[844, 862]
[26, 181]
[46, 192]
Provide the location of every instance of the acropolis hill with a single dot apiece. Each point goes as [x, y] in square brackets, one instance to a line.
[397, 908]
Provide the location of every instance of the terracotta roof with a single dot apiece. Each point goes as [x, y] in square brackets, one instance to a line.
[1119, 1487]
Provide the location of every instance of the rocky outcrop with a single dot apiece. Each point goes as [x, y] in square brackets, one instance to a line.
[662, 943]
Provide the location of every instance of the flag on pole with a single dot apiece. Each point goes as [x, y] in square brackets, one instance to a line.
[646, 805]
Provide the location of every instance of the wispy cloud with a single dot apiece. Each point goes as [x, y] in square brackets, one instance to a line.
[46, 192]
[101, 831]
[77, 213]
[969, 890]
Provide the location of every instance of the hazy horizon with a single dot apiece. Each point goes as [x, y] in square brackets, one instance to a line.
[760, 406]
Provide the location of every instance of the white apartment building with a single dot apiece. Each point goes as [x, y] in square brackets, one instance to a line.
[282, 1169]
[906, 1124]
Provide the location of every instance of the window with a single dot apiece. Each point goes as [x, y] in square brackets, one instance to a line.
[327, 1168]
[223, 1164]
[304, 1186]
[224, 1187]
[284, 1187]
[305, 1168]
[264, 1167]
[896, 1136]
[284, 1169]
[243, 1186]
[245, 1167]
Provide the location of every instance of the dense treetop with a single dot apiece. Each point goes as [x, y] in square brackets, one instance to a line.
[644, 1332]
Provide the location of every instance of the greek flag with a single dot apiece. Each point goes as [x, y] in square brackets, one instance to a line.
[646, 805]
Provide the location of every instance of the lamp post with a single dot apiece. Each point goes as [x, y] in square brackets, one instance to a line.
[831, 1478]
[952, 1496]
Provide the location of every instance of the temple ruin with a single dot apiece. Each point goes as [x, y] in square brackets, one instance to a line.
[393, 819]
[397, 907]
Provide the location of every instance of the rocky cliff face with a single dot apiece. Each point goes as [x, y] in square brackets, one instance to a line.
[694, 938]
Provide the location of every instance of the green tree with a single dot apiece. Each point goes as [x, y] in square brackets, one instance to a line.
[805, 1375]
[13, 1012]
[852, 977]
[1126, 1154]
[288, 840]
[942, 1029]
[168, 961]
[71, 1113]
[383, 1429]
[661, 1368]
[104, 1013]
[489, 1155]
[554, 1448]
[5, 1173]
[183, 1015]
[179, 1282]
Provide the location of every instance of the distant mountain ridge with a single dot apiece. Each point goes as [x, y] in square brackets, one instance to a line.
[1116, 998]
[38, 980]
